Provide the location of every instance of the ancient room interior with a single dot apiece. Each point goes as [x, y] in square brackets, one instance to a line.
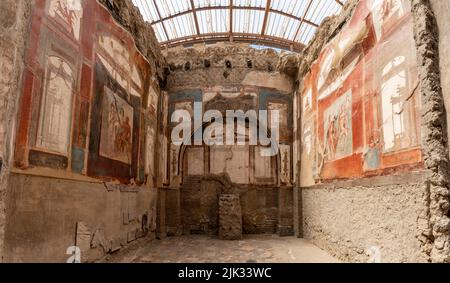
[91, 170]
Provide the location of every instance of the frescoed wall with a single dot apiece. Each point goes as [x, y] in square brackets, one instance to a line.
[192, 199]
[238, 78]
[87, 132]
[362, 147]
[85, 81]
[245, 164]
[359, 103]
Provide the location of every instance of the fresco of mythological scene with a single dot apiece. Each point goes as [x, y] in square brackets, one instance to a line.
[88, 98]
[360, 101]
[117, 123]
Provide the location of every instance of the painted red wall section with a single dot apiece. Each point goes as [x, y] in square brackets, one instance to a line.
[73, 47]
[360, 101]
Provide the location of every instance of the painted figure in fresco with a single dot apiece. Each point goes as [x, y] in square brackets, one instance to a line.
[338, 128]
[117, 130]
[67, 13]
[113, 119]
[124, 135]
[346, 50]
[386, 13]
[343, 122]
[122, 131]
[117, 124]
[331, 138]
[119, 127]
[372, 155]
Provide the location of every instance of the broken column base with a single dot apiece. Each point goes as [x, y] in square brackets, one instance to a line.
[230, 217]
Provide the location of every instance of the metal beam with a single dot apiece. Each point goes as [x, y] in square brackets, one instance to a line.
[303, 19]
[231, 20]
[250, 38]
[194, 12]
[260, 37]
[199, 9]
[266, 17]
[159, 16]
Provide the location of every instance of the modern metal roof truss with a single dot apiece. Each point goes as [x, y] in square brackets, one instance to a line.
[286, 24]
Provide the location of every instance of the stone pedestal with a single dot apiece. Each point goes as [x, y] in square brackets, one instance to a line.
[230, 217]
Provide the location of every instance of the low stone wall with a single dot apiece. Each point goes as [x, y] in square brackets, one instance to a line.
[268, 211]
[194, 209]
[383, 214]
[46, 215]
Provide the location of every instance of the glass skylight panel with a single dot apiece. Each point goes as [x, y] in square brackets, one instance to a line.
[284, 23]
[148, 10]
[237, 21]
[258, 19]
[171, 7]
[180, 26]
[211, 3]
[213, 21]
[307, 34]
[321, 9]
[159, 31]
[247, 21]
[250, 3]
[292, 7]
[280, 26]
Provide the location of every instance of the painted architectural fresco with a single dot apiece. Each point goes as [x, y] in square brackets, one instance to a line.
[245, 164]
[264, 167]
[56, 106]
[88, 97]
[163, 141]
[360, 103]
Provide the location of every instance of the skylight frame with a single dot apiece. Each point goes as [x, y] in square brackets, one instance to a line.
[285, 24]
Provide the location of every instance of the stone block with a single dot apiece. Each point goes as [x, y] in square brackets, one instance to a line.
[125, 217]
[115, 245]
[131, 236]
[230, 217]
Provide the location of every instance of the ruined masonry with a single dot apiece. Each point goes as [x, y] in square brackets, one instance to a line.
[230, 216]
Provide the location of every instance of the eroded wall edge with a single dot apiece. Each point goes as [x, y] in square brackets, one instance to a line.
[434, 131]
[15, 19]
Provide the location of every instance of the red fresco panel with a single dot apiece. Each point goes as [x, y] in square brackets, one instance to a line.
[371, 65]
[69, 36]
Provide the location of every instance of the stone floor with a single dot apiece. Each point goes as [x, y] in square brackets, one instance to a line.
[204, 249]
